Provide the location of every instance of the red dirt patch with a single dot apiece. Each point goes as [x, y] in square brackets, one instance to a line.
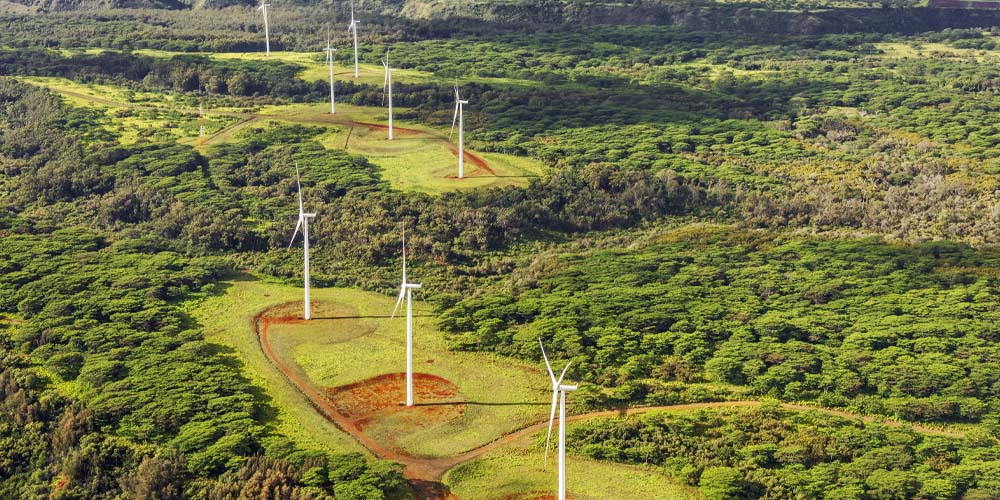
[365, 401]
[63, 481]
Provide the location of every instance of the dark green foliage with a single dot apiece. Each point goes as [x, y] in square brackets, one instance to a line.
[66, 365]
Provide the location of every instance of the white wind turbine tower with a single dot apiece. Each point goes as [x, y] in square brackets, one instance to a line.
[353, 28]
[267, 36]
[406, 291]
[329, 60]
[459, 116]
[387, 86]
[304, 223]
[558, 393]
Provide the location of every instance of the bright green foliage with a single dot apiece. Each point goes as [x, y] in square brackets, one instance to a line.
[721, 483]
[777, 455]
[109, 316]
[900, 331]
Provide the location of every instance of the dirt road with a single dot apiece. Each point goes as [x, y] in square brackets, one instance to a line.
[425, 473]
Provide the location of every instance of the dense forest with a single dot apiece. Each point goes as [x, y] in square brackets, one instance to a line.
[779, 204]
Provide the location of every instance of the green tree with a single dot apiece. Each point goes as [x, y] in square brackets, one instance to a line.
[722, 483]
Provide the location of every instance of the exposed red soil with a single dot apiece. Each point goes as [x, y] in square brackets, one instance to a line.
[376, 396]
[63, 481]
[368, 400]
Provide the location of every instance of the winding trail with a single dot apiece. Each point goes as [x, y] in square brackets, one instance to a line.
[425, 472]
[246, 118]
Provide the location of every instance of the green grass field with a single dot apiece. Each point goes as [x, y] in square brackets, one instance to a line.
[98, 92]
[362, 343]
[337, 352]
[136, 116]
[227, 320]
[508, 394]
[421, 161]
[934, 50]
[516, 470]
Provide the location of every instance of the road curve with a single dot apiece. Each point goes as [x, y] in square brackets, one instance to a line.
[433, 469]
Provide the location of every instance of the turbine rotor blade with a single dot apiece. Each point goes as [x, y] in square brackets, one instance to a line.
[296, 233]
[402, 295]
[563, 374]
[547, 365]
[552, 417]
[454, 119]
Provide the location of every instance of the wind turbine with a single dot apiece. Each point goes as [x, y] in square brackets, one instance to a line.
[329, 60]
[353, 28]
[267, 37]
[387, 86]
[558, 393]
[406, 291]
[304, 223]
[459, 116]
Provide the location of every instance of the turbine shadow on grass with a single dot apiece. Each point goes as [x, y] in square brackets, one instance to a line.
[386, 316]
[505, 176]
[480, 403]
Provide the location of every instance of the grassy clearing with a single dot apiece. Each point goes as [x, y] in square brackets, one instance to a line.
[98, 93]
[420, 162]
[516, 470]
[361, 345]
[509, 394]
[135, 116]
[935, 50]
[227, 320]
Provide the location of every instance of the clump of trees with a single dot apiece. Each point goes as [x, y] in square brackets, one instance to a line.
[768, 453]
[860, 324]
